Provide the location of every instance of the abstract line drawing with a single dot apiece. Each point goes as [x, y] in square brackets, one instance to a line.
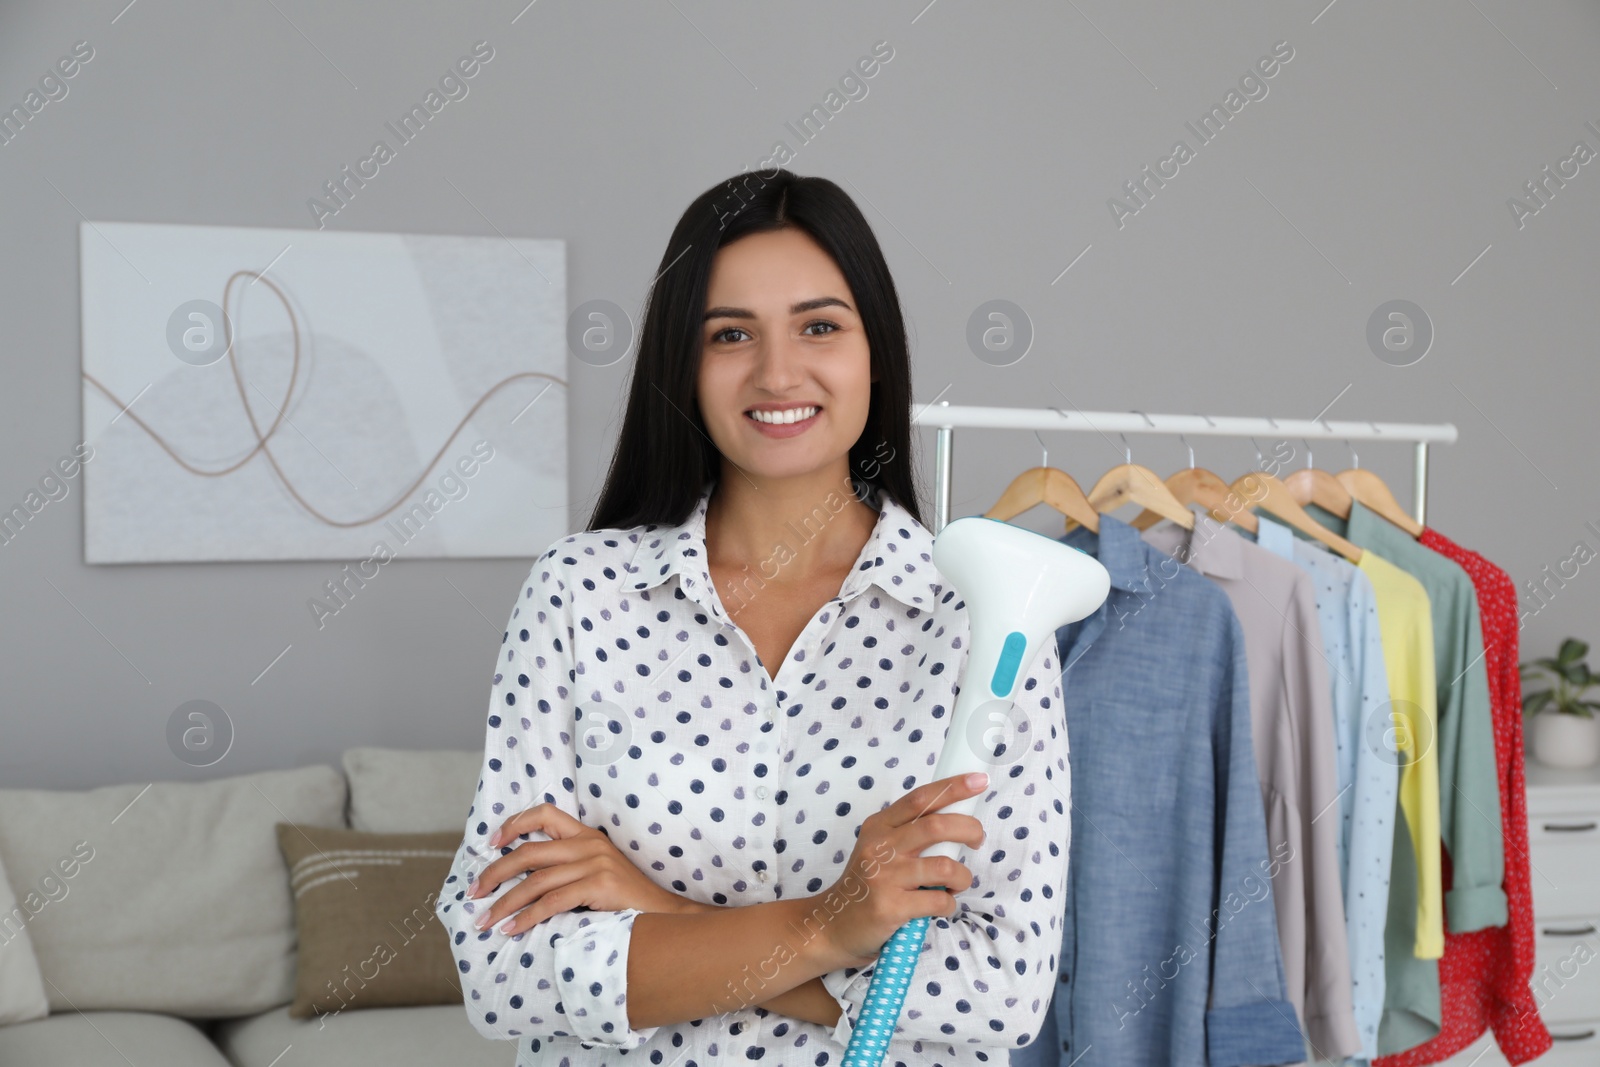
[359, 389]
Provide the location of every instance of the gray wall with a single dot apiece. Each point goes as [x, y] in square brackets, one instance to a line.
[1378, 166]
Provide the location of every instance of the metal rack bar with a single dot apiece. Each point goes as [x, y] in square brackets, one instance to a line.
[947, 418]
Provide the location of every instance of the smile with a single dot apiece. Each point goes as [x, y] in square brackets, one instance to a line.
[786, 416]
[785, 423]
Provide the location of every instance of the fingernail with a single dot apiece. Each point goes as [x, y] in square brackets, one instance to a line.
[482, 921]
[494, 839]
[977, 779]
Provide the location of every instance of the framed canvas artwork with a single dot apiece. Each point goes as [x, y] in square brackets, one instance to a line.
[270, 394]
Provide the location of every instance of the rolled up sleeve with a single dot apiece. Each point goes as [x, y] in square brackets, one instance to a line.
[1469, 791]
[1250, 1019]
[567, 975]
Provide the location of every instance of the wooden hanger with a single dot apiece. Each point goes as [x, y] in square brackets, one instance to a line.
[1370, 490]
[1130, 483]
[1271, 495]
[1312, 486]
[1319, 487]
[1196, 485]
[1045, 485]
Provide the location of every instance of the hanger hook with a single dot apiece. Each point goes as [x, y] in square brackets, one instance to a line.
[1127, 449]
[1258, 452]
[1355, 460]
[1148, 422]
[1209, 422]
[1044, 459]
[1190, 447]
[1310, 460]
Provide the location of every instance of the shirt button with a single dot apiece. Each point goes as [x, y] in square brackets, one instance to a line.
[761, 875]
[761, 791]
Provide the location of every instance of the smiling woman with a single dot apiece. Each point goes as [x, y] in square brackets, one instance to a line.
[791, 304]
[711, 872]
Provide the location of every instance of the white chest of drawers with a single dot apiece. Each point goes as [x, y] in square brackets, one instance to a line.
[1564, 860]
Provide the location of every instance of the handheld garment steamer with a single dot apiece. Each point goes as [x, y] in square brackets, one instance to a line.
[1019, 587]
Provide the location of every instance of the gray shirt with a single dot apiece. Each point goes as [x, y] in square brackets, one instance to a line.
[1291, 714]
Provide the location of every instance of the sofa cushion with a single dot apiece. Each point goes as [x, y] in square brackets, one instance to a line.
[181, 904]
[373, 1037]
[395, 791]
[108, 1039]
[364, 911]
[22, 995]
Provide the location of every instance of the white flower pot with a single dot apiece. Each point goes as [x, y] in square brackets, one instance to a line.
[1566, 740]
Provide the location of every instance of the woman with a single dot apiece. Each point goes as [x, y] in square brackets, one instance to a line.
[716, 711]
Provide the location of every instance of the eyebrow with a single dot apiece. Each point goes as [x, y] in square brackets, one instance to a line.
[794, 309]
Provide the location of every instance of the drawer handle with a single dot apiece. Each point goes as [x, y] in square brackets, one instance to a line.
[1578, 931]
[1569, 828]
[1585, 1036]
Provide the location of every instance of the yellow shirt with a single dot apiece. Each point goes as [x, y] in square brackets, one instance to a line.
[1405, 621]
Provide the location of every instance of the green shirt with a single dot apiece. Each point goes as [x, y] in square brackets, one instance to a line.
[1469, 789]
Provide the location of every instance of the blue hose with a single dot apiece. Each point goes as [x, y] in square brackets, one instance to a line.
[886, 994]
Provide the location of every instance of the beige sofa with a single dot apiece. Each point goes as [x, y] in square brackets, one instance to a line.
[154, 921]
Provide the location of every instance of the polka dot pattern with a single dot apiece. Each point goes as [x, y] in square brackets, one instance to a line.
[730, 786]
[1347, 609]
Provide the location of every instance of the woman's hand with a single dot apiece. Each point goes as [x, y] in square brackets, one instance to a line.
[886, 867]
[577, 867]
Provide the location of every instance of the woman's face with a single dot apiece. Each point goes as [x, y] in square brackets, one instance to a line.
[781, 334]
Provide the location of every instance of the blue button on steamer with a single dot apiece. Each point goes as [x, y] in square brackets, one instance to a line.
[1005, 669]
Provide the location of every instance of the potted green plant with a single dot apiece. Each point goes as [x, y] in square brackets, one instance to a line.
[1565, 730]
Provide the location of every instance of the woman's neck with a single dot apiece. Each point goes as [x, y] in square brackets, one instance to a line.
[789, 529]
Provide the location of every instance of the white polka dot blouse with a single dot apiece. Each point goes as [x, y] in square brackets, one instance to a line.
[624, 694]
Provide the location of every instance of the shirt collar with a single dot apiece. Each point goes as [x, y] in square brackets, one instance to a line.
[1274, 536]
[1118, 548]
[1210, 548]
[897, 558]
[1362, 525]
[1329, 521]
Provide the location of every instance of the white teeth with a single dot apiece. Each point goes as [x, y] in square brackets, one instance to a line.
[781, 418]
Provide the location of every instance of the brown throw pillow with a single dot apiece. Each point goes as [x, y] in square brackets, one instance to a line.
[363, 905]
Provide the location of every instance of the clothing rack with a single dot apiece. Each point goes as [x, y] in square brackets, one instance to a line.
[947, 418]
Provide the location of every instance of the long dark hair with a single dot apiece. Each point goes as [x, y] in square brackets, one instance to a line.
[664, 457]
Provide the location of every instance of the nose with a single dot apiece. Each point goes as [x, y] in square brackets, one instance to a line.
[778, 366]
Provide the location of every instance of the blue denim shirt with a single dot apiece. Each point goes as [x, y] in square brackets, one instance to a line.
[1170, 949]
